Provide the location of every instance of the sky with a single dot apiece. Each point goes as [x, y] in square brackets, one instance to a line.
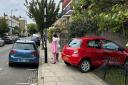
[18, 8]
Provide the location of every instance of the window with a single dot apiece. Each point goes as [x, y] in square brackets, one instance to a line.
[24, 46]
[94, 43]
[110, 45]
[75, 43]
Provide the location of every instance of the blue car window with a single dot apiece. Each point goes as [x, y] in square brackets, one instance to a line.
[24, 46]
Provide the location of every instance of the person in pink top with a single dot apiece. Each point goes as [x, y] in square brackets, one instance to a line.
[55, 48]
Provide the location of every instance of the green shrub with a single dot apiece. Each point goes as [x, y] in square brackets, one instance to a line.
[53, 30]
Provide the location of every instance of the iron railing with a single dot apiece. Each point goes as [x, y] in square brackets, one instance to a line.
[113, 74]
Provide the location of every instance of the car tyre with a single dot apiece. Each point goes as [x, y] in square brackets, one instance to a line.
[36, 65]
[3, 44]
[126, 63]
[85, 65]
[68, 64]
[11, 64]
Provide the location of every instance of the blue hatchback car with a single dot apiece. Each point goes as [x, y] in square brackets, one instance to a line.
[24, 52]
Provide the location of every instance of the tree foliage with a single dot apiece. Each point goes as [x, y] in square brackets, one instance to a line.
[100, 15]
[53, 30]
[36, 10]
[4, 28]
[32, 28]
[16, 30]
[81, 25]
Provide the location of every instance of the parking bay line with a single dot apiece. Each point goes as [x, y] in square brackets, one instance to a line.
[31, 69]
[1, 69]
[22, 83]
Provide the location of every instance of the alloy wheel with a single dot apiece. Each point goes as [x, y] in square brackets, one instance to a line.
[85, 66]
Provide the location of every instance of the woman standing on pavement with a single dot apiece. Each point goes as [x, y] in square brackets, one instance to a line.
[55, 46]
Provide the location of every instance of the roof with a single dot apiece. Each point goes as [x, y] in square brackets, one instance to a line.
[24, 41]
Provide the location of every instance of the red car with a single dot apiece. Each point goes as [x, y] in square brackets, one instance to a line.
[93, 51]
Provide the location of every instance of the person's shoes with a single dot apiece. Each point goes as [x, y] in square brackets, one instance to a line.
[54, 63]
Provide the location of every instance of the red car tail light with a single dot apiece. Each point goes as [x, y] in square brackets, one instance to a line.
[75, 52]
[35, 53]
[12, 51]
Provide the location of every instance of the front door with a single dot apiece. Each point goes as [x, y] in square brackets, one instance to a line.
[95, 52]
[116, 56]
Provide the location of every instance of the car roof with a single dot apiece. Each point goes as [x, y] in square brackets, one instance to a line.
[24, 41]
[91, 38]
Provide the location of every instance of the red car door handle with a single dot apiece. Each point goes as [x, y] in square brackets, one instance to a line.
[107, 52]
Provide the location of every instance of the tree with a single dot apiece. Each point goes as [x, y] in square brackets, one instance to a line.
[36, 12]
[32, 28]
[99, 15]
[82, 21]
[109, 14]
[53, 30]
[16, 30]
[4, 28]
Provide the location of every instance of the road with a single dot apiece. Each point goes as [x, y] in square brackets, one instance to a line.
[17, 75]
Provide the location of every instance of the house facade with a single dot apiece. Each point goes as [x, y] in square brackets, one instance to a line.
[16, 23]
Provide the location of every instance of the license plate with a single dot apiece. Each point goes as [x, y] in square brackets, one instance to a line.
[66, 58]
[23, 60]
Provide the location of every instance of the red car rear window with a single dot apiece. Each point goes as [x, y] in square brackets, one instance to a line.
[75, 43]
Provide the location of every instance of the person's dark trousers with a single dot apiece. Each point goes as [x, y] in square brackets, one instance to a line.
[57, 56]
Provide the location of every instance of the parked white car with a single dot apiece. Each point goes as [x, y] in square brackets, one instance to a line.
[1, 42]
[35, 35]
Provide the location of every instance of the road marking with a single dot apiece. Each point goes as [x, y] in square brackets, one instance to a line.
[2, 55]
[34, 84]
[31, 69]
[22, 83]
[4, 51]
[1, 69]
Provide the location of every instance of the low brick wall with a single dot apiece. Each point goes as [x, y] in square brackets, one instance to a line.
[119, 38]
[63, 39]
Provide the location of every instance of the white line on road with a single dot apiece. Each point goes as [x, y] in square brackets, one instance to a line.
[22, 83]
[1, 69]
[31, 69]
[34, 84]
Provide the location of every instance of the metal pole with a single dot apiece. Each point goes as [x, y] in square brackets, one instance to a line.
[11, 30]
[126, 74]
[11, 23]
[45, 21]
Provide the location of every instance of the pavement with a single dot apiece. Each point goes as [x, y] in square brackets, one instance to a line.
[60, 74]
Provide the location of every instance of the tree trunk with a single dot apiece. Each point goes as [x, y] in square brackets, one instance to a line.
[43, 41]
[123, 30]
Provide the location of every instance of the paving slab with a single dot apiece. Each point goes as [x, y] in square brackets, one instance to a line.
[60, 74]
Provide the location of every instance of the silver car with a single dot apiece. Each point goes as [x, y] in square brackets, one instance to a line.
[1, 42]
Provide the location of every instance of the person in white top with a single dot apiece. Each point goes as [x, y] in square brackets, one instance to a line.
[127, 45]
[55, 47]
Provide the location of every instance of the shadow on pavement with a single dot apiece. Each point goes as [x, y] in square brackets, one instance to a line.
[24, 66]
